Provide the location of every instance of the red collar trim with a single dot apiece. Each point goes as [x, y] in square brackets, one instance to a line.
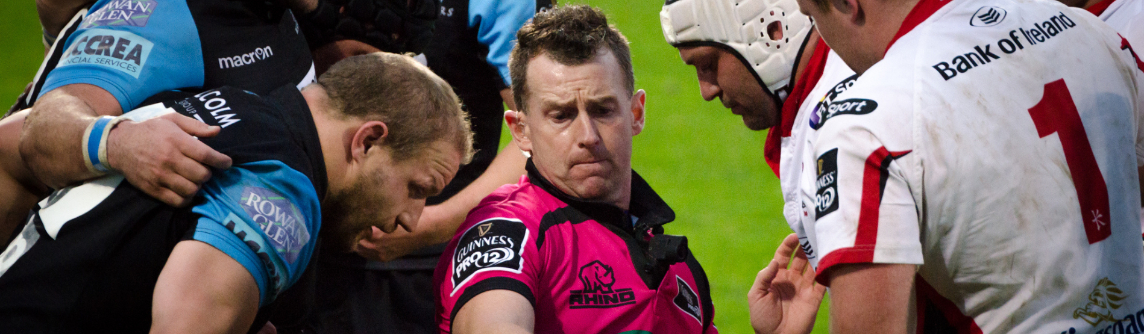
[772, 150]
[922, 11]
[1099, 7]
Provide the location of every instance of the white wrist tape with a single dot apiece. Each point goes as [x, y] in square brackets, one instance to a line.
[95, 143]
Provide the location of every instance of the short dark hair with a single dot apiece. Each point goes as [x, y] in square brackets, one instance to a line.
[570, 35]
[417, 106]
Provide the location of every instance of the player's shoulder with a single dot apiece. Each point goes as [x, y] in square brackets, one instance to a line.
[224, 106]
[523, 201]
[875, 96]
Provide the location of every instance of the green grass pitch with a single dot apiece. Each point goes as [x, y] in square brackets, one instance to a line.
[696, 154]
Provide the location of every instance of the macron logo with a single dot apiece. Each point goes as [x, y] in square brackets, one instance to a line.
[245, 59]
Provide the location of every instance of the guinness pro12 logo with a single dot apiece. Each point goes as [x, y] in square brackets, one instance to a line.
[493, 244]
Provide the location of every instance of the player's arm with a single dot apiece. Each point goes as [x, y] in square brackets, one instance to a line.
[54, 14]
[158, 156]
[495, 312]
[203, 290]
[438, 222]
[871, 298]
[867, 225]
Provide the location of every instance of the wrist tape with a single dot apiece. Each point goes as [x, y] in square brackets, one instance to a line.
[95, 143]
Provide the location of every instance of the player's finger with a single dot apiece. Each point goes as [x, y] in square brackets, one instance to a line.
[183, 188]
[764, 278]
[193, 127]
[191, 170]
[166, 196]
[799, 263]
[204, 154]
[785, 250]
[819, 290]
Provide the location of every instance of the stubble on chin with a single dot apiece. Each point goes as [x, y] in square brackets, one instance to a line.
[341, 229]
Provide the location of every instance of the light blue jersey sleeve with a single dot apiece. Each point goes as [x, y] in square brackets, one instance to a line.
[264, 215]
[497, 23]
[133, 49]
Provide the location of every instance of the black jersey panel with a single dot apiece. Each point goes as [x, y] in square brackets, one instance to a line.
[255, 128]
[250, 45]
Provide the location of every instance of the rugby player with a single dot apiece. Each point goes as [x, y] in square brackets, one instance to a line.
[966, 167]
[776, 73]
[366, 145]
[107, 64]
[386, 285]
[576, 246]
[102, 64]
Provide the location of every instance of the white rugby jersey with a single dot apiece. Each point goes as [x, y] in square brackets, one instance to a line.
[996, 147]
[833, 77]
[1127, 17]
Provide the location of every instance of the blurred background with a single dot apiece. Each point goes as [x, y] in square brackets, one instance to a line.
[696, 154]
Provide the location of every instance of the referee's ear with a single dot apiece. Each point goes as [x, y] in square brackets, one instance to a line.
[638, 110]
[519, 130]
[369, 135]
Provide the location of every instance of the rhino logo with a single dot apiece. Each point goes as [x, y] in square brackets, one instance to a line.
[1103, 299]
[597, 277]
[597, 280]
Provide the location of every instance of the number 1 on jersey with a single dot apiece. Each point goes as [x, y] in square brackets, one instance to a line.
[1056, 113]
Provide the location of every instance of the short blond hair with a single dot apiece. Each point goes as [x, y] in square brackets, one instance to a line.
[418, 107]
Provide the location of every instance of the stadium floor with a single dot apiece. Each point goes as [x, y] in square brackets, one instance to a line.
[696, 154]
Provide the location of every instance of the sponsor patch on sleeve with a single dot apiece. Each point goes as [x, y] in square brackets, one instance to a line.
[493, 244]
[114, 49]
[279, 219]
[687, 300]
[826, 198]
[819, 115]
[121, 13]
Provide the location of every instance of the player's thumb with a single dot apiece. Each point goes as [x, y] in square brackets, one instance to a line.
[195, 128]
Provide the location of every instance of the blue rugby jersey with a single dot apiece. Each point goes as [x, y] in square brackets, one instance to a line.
[137, 48]
[104, 243]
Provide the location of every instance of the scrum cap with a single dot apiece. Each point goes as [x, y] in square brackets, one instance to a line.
[744, 27]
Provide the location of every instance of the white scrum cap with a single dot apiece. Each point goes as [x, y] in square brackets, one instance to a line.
[741, 26]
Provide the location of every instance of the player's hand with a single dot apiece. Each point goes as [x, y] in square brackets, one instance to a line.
[785, 298]
[160, 157]
[432, 228]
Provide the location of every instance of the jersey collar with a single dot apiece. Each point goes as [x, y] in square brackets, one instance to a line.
[296, 115]
[645, 203]
[1099, 7]
[922, 11]
[772, 150]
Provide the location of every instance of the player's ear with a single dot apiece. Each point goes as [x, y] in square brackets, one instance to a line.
[638, 109]
[369, 135]
[519, 130]
[851, 9]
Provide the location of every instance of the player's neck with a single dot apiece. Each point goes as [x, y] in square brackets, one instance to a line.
[880, 21]
[1089, 3]
[804, 58]
[331, 134]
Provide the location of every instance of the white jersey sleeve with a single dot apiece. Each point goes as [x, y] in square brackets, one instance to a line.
[864, 209]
